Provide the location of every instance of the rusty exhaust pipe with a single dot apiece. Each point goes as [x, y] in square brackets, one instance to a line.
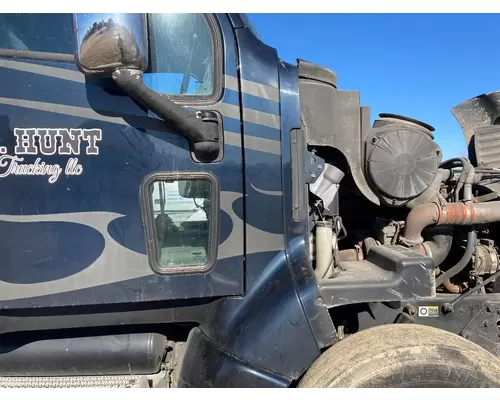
[448, 214]
[451, 288]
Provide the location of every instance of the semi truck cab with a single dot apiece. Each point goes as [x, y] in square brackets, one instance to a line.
[183, 208]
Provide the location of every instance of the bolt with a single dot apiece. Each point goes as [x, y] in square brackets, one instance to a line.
[313, 175]
[411, 310]
[447, 308]
[319, 302]
[320, 167]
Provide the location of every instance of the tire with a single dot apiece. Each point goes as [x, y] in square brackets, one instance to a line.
[403, 355]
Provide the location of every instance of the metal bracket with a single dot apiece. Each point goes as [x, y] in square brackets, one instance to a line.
[326, 187]
[389, 273]
[484, 328]
[314, 165]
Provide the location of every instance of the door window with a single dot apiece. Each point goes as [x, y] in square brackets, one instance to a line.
[183, 54]
[180, 222]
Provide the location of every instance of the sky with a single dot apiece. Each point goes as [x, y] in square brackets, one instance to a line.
[418, 65]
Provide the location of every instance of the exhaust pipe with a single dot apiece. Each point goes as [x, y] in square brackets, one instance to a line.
[464, 214]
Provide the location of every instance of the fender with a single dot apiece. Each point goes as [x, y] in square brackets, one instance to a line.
[479, 118]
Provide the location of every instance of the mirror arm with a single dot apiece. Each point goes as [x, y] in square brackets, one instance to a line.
[203, 136]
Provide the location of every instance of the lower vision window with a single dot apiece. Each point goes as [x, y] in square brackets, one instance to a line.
[182, 224]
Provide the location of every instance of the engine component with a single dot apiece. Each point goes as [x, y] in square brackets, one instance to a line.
[387, 272]
[487, 259]
[463, 262]
[456, 214]
[440, 244]
[325, 239]
[140, 354]
[326, 187]
[449, 214]
[402, 159]
[434, 192]
[485, 146]
[465, 179]
[367, 244]
[386, 119]
[452, 288]
[387, 231]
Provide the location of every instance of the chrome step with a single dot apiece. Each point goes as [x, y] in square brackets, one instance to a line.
[124, 381]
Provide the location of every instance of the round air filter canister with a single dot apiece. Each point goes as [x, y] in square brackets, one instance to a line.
[402, 161]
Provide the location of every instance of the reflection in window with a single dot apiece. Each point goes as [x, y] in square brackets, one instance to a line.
[182, 54]
[181, 212]
[48, 33]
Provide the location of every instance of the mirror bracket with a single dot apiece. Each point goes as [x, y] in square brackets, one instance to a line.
[115, 45]
[204, 137]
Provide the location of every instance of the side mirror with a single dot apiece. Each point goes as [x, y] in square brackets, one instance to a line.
[107, 42]
[116, 45]
[194, 189]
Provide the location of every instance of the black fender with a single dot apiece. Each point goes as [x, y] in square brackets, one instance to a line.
[266, 336]
[479, 118]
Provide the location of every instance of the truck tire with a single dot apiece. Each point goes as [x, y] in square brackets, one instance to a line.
[403, 355]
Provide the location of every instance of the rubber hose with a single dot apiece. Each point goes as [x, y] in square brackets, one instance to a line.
[465, 175]
[458, 267]
[440, 246]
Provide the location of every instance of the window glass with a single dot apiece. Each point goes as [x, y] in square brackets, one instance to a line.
[182, 221]
[48, 33]
[181, 54]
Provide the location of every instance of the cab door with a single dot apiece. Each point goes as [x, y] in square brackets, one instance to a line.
[102, 201]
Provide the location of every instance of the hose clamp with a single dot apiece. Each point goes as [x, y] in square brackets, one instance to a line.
[409, 242]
